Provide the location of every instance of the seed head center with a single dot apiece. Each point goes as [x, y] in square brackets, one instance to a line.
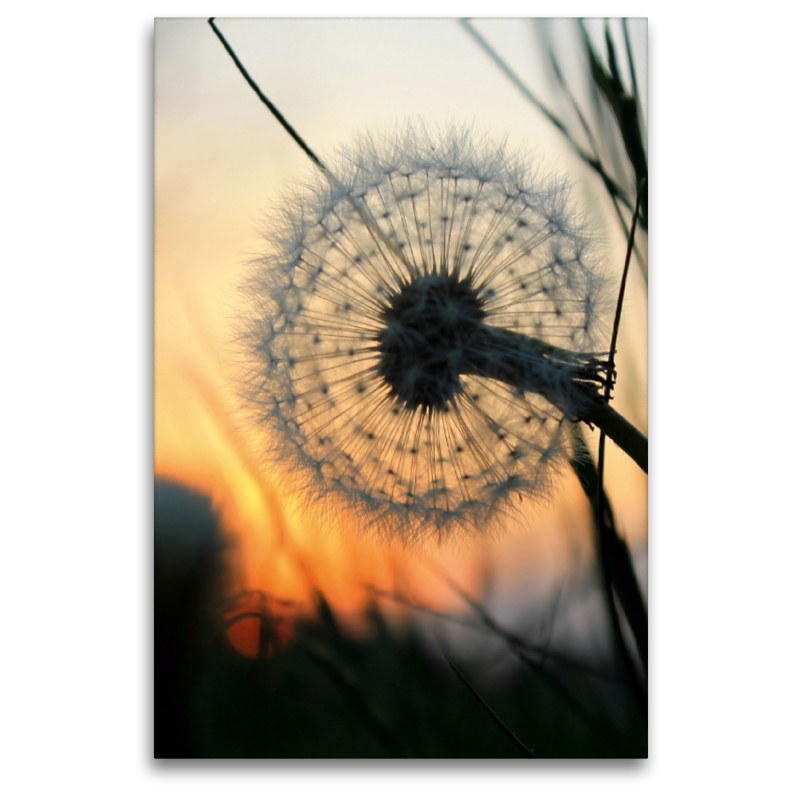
[430, 325]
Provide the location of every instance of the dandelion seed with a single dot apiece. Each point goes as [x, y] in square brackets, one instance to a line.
[435, 308]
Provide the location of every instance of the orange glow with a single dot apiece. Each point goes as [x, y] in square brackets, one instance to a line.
[285, 550]
[259, 626]
[288, 551]
[220, 161]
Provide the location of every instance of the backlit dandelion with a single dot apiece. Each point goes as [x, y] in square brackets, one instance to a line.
[423, 330]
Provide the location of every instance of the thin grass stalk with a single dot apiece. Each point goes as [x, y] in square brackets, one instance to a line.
[526, 751]
[522, 651]
[613, 188]
[609, 546]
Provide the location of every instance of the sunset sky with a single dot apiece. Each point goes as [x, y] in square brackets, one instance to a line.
[221, 162]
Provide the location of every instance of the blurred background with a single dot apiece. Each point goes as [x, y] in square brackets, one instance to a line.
[274, 637]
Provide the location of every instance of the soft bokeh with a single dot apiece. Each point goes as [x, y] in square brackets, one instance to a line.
[221, 162]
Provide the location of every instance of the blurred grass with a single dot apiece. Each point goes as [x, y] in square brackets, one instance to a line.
[324, 693]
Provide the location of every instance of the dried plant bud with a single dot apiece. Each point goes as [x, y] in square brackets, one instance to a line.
[421, 332]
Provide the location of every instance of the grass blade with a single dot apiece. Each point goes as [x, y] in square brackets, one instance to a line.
[526, 752]
[613, 188]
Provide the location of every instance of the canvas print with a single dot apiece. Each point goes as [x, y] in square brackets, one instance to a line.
[400, 411]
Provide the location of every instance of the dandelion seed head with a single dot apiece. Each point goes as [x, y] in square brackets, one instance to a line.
[384, 311]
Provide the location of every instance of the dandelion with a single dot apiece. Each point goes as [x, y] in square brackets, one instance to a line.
[423, 332]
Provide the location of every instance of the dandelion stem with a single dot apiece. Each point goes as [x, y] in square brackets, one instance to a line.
[568, 380]
[619, 430]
